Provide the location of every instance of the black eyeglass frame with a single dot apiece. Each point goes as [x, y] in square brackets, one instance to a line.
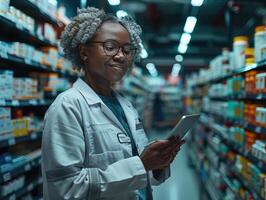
[130, 55]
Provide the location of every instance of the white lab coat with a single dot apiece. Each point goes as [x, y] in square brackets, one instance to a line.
[82, 157]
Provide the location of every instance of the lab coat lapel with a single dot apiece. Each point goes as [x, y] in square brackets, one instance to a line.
[92, 99]
[111, 116]
[129, 115]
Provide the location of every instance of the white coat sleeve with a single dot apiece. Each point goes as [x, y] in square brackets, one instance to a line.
[162, 176]
[63, 153]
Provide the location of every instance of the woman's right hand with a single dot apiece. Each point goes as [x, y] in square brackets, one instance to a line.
[161, 153]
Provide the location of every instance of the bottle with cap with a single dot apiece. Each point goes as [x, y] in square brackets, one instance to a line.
[239, 46]
[260, 43]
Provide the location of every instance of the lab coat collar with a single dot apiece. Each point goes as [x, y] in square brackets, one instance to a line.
[90, 96]
[92, 99]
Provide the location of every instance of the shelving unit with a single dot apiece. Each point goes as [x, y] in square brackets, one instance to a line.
[216, 125]
[259, 66]
[11, 141]
[21, 34]
[33, 10]
[27, 164]
[17, 194]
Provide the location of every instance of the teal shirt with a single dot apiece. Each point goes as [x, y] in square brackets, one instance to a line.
[113, 104]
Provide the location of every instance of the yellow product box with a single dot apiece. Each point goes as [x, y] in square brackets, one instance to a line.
[15, 127]
[24, 129]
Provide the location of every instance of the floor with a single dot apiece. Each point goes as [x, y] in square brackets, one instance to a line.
[183, 183]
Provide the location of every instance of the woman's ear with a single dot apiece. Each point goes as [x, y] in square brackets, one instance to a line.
[83, 52]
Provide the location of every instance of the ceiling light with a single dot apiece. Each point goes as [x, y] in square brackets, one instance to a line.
[190, 24]
[196, 2]
[114, 2]
[143, 53]
[176, 69]
[53, 2]
[182, 48]
[152, 70]
[185, 38]
[179, 58]
[121, 13]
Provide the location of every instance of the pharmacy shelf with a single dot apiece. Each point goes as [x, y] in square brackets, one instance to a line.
[24, 103]
[208, 186]
[246, 125]
[236, 175]
[260, 164]
[34, 11]
[239, 178]
[21, 34]
[21, 169]
[25, 190]
[11, 141]
[261, 65]
[246, 185]
[247, 97]
[18, 63]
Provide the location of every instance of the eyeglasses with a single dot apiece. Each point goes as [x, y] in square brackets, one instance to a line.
[112, 47]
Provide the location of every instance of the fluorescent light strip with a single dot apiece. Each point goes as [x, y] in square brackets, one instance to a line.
[152, 69]
[182, 48]
[185, 38]
[143, 53]
[114, 2]
[179, 58]
[197, 2]
[176, 69]
[121, 13]
[190, 24]
[53, 2]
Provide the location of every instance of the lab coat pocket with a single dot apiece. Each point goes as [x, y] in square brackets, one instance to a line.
[103, 160]
[103, 138]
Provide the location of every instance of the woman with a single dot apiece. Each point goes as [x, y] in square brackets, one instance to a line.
[93, 140]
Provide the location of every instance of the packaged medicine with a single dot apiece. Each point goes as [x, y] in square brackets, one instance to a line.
[239, 46]
[259, 42]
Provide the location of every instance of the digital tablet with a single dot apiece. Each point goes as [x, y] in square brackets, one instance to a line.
[183, 126]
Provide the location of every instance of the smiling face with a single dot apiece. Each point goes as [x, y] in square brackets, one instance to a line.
[100, 66]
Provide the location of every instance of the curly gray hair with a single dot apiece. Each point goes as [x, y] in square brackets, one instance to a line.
[83, 27]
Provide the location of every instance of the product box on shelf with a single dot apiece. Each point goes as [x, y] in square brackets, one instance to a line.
[261, 82]
[21, 19]
[50, 56]
[6, 84]
[4, 7]
[259, 150]
[20, 126]
[260, 43]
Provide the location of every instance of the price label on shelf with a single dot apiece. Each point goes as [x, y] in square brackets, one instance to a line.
[27, 61]
[11, 141]
[33, 136]
[41, 37]
[30, 187]
[27, 167]
[3, 54]
[19, 26]
[15, 102]
[42, 101]
[258, 129]
[33, 102]
[6, 177]
[2, 102]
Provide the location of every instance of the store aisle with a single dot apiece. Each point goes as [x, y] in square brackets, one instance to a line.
[183, 183]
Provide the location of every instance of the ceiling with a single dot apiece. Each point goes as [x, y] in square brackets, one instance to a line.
[163, 21]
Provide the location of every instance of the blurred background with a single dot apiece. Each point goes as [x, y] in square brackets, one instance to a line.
[198, 56]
